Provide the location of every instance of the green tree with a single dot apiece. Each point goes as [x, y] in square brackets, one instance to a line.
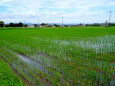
[21, 24]
[56, 25]
[112, 24]
[1, 24]
[44, 24]
[12, 25]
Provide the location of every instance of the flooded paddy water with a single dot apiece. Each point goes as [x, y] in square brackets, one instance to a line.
[49, 65]
[57, 62]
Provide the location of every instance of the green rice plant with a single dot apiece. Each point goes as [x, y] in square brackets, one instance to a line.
[75, 56]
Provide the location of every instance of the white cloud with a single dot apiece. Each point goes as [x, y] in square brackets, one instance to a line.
[52, 11]
[112, 3]
[3, 1]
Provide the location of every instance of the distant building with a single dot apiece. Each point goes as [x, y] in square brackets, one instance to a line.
[30, 25]
[106, 23]
[33, 25]
[43, 25]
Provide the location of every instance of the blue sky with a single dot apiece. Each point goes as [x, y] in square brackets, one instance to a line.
[51, 11]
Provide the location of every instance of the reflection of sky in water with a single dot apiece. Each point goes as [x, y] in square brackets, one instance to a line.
[34, 64]
[101, 44]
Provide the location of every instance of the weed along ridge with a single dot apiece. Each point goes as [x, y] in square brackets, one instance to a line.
[71, 56]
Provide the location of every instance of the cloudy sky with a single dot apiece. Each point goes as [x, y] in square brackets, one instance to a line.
[51, 11]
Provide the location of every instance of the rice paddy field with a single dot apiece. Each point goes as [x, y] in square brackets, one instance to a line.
[50, 56]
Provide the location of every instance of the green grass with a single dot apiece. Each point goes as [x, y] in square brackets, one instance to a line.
[7, 77]
[61, 56]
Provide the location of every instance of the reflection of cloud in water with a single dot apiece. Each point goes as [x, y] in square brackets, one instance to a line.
[101, 44]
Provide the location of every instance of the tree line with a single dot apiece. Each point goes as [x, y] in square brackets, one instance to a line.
[20, 24]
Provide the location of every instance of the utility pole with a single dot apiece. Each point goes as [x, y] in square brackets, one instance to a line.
[83, 24]
[110, 17]
[38, 23]
[62, 21]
